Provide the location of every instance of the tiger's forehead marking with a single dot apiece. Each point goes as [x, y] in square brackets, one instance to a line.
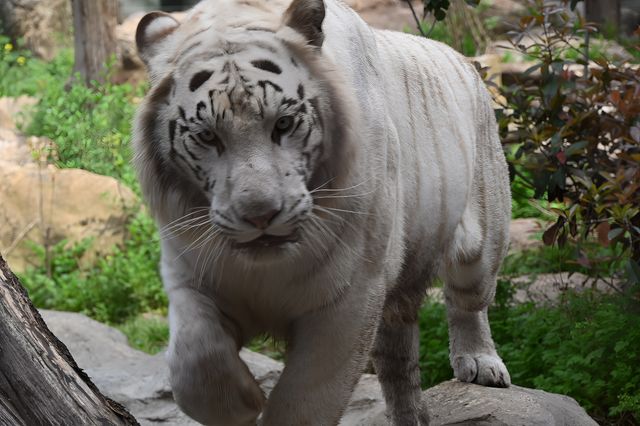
[240, 61]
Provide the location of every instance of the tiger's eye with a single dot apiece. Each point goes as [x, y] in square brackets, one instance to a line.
[284, 123]
[208, 137]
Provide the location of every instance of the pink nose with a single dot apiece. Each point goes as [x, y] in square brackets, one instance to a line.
[262, 221]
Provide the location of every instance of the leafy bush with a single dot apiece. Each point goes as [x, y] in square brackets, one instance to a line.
[90, 126]
[434, 345]
[586, 347]
[574, 131]
[117, 287]
[22, 74]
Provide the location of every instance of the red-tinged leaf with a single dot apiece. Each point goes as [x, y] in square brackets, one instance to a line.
[525, 20]
[583, 260]
[562, 158]
[550, 235]
[615, 97]
[602, 230]
[562, 238]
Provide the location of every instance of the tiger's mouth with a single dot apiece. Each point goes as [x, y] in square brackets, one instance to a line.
[266, 241]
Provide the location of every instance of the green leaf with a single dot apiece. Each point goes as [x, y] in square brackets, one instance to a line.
[614, 233]
[575, 148]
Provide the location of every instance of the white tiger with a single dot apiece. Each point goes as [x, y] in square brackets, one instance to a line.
[311, 176]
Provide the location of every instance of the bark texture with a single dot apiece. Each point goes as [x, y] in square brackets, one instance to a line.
[40, 383]
[605, 12]
[42, 25]
[94, 24]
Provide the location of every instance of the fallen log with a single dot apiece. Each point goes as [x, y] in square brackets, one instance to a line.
[40, 383]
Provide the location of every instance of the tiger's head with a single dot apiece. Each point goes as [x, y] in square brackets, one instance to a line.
[242, 117]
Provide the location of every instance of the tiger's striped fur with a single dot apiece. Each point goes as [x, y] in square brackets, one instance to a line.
[311, 176]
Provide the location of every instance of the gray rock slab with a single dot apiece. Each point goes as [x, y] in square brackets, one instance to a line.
[141, 383]
[456, 403]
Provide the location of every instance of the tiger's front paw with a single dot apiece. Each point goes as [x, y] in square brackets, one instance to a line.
[215, 388]
[483, 369]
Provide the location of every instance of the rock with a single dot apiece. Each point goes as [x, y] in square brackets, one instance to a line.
[361, 5]
[137, 380]
[11, 110]
[14, 147]
[42, 24]
[549, 288]
[389, 15]
[140, 382]
[523, 232]
[44, 205]
[456, 403]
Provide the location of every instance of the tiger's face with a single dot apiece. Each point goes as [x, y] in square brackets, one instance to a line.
[243, 123]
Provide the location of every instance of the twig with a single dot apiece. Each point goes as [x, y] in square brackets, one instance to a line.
[20, 237]
[415, 16]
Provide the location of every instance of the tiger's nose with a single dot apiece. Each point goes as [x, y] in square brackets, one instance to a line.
[263, 220]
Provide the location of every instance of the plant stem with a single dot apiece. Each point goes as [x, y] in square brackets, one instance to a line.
[415, 16]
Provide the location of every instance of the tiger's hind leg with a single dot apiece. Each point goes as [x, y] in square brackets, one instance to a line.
[396, 354]
[470, 284]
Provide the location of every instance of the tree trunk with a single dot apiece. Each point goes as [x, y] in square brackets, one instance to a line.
[604, 12]
[40, 383]
[94, 23]
[41, 26]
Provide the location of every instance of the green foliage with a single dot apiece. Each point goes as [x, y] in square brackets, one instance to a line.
[576, 136]
[22, 74]
[437, 7]
[117, 287]
[146, 333]
[438, 31]
[268, 346]
[568, 258]
[90, 126]
[586, 347]
[434, 345]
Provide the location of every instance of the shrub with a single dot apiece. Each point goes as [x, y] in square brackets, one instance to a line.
[22, 74]
[91, 127]
[573, 130]
[586, 347]
[116, 288]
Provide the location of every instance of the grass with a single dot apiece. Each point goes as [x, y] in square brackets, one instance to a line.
[118, 287]
[147, 333]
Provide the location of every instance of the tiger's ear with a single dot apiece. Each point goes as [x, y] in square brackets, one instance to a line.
[306, 16]
[152, 29]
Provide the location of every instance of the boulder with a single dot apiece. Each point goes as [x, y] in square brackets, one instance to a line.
[140, 382]
[549, 288]
[15, 110]
[456, 403]
[41, 24]
[522, 233]
[44, 205]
